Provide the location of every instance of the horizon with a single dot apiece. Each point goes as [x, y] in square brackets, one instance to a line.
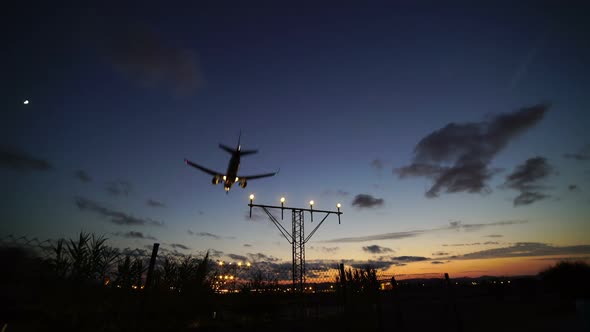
[455, 137]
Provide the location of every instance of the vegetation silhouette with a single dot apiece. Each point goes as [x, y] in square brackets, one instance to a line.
[86, 285]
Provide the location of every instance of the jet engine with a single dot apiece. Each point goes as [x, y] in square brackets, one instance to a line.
[243, 183]
[215, 180]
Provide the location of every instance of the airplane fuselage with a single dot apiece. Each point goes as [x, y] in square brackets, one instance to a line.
[232, 170]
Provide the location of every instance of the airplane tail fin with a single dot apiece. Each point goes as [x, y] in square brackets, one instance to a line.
[239, 137]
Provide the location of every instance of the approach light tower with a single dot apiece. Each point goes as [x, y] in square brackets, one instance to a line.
[297, 237]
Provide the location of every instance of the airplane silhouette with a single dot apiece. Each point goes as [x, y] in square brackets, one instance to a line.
[231, 175]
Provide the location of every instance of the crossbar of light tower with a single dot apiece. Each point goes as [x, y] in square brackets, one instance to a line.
[297, 237]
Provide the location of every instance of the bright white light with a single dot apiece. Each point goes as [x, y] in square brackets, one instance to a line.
[282, 199]
[251, 197]
[311, 202]
[224, 177]
[237, 178]
[338, 205]
[26, 102]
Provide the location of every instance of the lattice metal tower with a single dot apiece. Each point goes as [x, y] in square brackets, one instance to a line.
[296, 237]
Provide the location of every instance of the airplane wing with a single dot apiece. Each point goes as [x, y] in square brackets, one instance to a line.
[206, 170]
[252, 177]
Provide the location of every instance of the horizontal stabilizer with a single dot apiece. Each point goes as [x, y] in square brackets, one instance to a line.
[247, 152]
[227, 148]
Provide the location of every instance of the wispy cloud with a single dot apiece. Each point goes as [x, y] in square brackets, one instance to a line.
[525, 178]
[116, 217]
[211, 235]
[457, 156]
[582, 155]
[454, 225]
[494, 235]
[376, 249]
[440, 253]
[437, 262]
[153, 61]
[134, 235]
[15, 159]
[237, 257]
[328, 250]
[527, 249]
[247, 245]
[82, 176]
[179, 246]
[573, 187]
[338, 193]
[377, 164]
[118, 188]
[363, 201]
[155, 204]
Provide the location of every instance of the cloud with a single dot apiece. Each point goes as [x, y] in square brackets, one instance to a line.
[135, 235]
[457, 156]
[494, 235]
[525, 178]
[237, 257]
[491, 242]
[527, 249]
[215, 253]
[155, 204]
[179, 246]
[261, 257]
[437, 262]
[461, 244]
[328, 250]
[454, 225]
[376, 237]
[408, 259]
[366, 201]
[573, 187]
[376, 249]
[82, 176]
[247, 245]
[440, 253]
[377, 164]
[17, 160]
[458, 225]
[338, 193]
[582, 155]
[211, 235]
[118, 188]
[152, 61]
[116, 217]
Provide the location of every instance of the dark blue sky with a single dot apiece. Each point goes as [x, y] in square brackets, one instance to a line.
[346, 100]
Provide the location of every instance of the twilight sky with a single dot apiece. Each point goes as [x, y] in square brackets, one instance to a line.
[455, 137]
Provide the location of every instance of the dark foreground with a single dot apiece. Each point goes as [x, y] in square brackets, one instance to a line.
[524, 307]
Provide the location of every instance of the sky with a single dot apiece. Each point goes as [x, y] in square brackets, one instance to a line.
[454, 135]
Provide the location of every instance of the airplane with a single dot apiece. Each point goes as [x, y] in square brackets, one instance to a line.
[231, 175]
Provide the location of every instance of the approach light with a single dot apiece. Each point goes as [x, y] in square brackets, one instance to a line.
[224, 177]
[220, 263]
[251, 197]
[239, 263]
[248, 264]
[338, 205]
[282, 200]
[311, 203]
[237, 179]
